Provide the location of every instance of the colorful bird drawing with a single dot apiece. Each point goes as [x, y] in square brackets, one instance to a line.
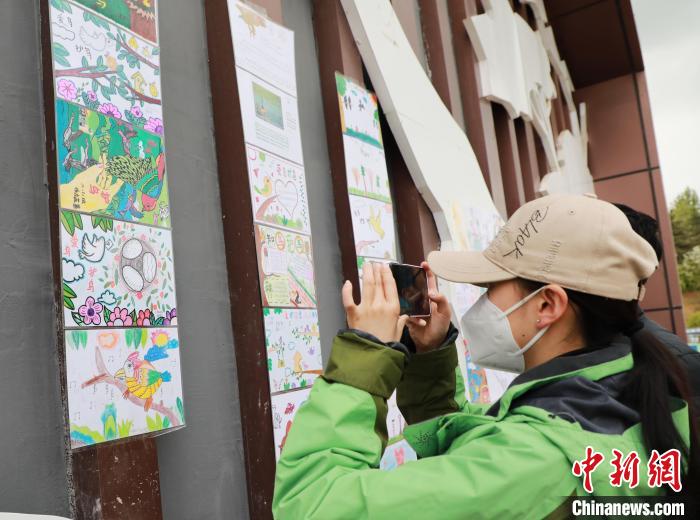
[142, 174]
[375, 222]
[266, 190]
[141, 379]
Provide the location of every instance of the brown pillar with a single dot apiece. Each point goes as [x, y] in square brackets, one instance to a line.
[478, 116]
[241, 258]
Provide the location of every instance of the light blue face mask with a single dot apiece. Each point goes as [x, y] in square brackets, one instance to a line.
[489, 338]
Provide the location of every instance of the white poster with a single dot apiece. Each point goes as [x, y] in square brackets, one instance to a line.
[262, 47]
[373, 228]
[270, 117]
[365, 167]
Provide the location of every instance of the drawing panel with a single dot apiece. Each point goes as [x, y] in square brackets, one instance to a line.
[359, 111]
[116, 274]
[105, 68]
[270, 117]
[373, 228]
[284, 407]
[108, 167]
[262, 47]
[365, 168]
[122, 382]
[278, 191]
[138, 16]
[285, 267]
[293, 347]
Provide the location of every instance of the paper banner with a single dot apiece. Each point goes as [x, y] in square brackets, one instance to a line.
[101, 66]
[278, 191]
[373, 228]
[122, 382]
[137, 15]
[270, 117]
[284, 408]
[115, 274]
[107, 167]
[359, 111]
[263, 48]
[286, 268]
[365, 167]
[293, 347]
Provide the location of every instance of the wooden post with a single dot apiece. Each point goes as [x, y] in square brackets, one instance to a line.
[241, 259]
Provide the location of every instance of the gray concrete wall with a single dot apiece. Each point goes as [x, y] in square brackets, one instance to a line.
[297, 16]
[201, 467]
[32, 468]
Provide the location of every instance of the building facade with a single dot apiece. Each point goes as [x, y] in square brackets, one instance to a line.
[222, 464]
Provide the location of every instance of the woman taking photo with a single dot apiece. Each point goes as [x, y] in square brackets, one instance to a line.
[564, 277]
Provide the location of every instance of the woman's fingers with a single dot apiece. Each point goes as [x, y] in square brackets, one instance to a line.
[416, 322]
[368, 283]
[378, 284]
[440, 301]
[400, 324]
[391, 294]
[432, 279]
[348, 300]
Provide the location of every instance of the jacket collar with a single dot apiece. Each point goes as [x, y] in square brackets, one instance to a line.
[592, 364]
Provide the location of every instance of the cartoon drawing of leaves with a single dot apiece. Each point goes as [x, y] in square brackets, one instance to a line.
[68, 221]
[76, 318]
[105, 313]
[129, 337]
[60, 53]
[62, 5]
[180, 409]
[68, 297]
[78, 220]
[144, 337]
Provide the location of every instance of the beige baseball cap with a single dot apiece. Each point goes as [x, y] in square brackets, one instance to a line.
[576, 241]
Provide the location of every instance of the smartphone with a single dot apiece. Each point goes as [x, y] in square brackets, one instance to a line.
[412, 284]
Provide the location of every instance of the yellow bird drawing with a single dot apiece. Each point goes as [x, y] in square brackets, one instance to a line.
[266, 190]
[139, 82]
[375, 222]
[153, 88]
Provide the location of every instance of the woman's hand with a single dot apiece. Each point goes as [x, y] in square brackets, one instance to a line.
[429, 333]
[378, 313]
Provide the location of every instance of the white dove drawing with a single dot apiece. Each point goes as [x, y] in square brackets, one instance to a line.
[93, 249]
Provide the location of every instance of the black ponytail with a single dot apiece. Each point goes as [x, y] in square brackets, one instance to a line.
[656, 376]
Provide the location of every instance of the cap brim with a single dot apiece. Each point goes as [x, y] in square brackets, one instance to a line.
[467, 267]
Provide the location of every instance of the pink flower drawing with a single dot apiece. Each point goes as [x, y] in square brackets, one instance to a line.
[109, 109]
[91, 95]
[136, 111]
[119, 317]
[67, 89]
[91, 312]
[154, 125]
[144, 318]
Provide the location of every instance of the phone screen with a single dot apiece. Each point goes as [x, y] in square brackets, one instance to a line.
[412, 285]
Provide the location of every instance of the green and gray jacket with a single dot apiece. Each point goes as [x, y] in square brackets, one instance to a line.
[510, 460]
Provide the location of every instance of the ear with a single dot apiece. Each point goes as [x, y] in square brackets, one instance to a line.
[552, 305]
